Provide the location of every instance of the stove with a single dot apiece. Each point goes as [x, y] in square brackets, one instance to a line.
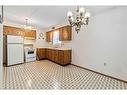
[30, 54]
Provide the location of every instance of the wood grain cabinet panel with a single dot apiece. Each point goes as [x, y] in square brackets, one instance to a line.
[65, 33]
[9, 30]
[28, 34]
[60, 34]
[49, 36]
[50, 54]
[56, 55]
[41, 53]
[46, 53]
[67, 57]
[62, 57]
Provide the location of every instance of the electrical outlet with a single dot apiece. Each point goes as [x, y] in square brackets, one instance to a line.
[105, 64]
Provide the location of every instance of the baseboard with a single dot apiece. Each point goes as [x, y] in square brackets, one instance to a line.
[99, 73]
[55, 62]
[14, 64]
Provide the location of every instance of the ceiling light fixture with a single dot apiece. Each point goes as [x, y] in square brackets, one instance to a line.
[26, 26]
[82, 18]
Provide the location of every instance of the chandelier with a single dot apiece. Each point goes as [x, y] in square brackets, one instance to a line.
[82, 18]
[26, 26]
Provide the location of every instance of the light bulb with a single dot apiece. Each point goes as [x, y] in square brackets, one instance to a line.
[69, 14]
[81, 10]
[72, 19]
[87, 15]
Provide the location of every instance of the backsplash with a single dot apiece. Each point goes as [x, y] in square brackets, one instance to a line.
[65, 44]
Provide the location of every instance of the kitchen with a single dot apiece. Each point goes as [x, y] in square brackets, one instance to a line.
[42, 50]
[27, 52]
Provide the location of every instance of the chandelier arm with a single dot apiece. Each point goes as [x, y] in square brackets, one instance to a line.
[74, 24]
[83, 23]
[80, 19]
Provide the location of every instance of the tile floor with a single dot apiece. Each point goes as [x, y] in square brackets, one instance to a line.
[48, 75]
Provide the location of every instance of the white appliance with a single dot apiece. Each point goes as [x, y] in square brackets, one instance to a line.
[30, 54]
[15, 50]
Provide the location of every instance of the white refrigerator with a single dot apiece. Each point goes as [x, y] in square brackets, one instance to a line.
[15, 50]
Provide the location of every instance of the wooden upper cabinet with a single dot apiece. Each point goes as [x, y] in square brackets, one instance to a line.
[30, 34]
[9, 30]
[60, 34]
[49, 36]
[65, 33]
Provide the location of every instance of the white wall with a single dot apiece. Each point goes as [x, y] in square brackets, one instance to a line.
[103, 41]
[40, 42]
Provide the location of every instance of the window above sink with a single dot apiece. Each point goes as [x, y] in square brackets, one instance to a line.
[56, 41]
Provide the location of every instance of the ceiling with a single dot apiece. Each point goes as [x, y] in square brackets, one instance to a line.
[44, 16]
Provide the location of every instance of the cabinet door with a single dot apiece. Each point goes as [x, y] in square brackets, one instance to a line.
[67, 57]
[49, 36]
[56, 52]
[50, 54]
[40, 53]
[65, 33]
[30, 34]
[8, 30]
[61, 34]
[53, 52]
[69, 29]
[47, 53]
[61, 57]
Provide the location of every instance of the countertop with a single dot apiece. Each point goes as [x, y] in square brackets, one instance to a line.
[56, 48]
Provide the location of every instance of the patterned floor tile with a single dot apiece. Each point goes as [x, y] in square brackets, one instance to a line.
[48, 75]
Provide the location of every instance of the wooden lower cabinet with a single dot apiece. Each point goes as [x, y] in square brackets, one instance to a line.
[67, 57]
[41, 53]
[62, 57]
[56, 55]
[47, 53]
[50, 54]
